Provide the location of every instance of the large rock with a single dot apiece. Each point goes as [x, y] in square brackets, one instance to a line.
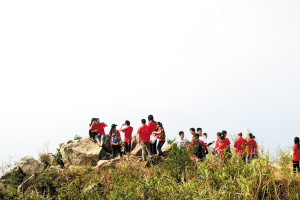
[29, 165]
[82, 152]
[137, 151]
[23, 187]
[9, 171]
[135, 140]
[52, 159]
[106, 144]
[166, 149]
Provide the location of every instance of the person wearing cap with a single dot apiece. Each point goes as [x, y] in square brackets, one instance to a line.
[144, 133]
[115, 141]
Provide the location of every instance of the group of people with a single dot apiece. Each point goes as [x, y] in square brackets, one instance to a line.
[152, 136]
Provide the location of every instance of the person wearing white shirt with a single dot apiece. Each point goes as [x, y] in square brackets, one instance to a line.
[181, 141]
[201, 137]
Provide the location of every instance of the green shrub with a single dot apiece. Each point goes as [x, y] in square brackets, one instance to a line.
[58, 154]
[77, 137]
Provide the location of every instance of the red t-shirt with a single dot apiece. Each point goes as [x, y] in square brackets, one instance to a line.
[152, 126]
[95, 127]
[101, 128]
[127, 133]
[251, 146]
[240, 145]
[217, 143]
[118, 133]
[159, 129]
[227, 143]
[144, 133]
[222, 146]
[296, 155]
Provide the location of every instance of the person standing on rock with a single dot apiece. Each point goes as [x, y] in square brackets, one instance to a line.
[93, 128]
[127, 135]
[152, 129]
[101, 132]
[144, 133]
[161, 139]
[115, 141]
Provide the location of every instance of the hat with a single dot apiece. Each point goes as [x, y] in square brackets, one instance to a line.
[114, 125]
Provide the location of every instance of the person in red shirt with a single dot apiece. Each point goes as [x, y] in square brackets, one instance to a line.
[116, 141]
[161, 138]
[127, 135]
[152, 129]
[101, 134]
[251, 148]
[93, 128]
[221, 149]
[240, 144]
[198, 147]
[217, 143]
[144, 139]
[296, 155]
[227, 141]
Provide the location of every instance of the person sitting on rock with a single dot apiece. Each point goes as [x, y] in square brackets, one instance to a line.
[93, 128]
[101, 132]
[144, 139]
[127, 135]
[115, 141]
[181, 141]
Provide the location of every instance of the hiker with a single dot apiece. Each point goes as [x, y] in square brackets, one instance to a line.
[127, 135]
[240, 145]
[221, 144]
[161, 139]
[217, 143]
[251, 148]
[192, 130]
[181, 141]
[101, 132]
[296, 155]
[227, 141]
[152, 128]
[205, 135]
[198, 147]
[201, 137]
[144, 139]
[93, 128]
[115, 141]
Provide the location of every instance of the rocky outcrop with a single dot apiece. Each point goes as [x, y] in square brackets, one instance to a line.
[9, 171]
[52, 159]
[135, 140]
[82, 152]
[166, 149]
[29, 165]
[137, 151]
[22, 188]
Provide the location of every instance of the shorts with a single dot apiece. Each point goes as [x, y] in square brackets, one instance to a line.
[100, 137]
[127, 147]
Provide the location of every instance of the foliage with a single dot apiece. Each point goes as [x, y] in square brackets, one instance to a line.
[170, 141]
[77, 137]
[58, 154]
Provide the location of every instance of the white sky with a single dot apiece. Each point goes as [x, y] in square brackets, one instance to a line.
[211, 64]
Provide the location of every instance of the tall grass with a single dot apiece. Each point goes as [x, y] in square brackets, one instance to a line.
[177, 177]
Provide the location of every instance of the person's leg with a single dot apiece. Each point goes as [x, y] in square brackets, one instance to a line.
[159, 146]
[154, 146]
[143, 147]
[102, 139]
[113, 149]
[119, 149]
[91, 135]
[128, 149]
[148, 149]
[97, 139]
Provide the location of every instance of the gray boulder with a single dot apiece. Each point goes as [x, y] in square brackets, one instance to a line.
[29, 165]
[9, 171]
[52, 159]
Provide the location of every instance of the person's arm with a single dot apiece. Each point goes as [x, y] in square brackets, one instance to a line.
[121, 127]
[210, 143]
[235, 144]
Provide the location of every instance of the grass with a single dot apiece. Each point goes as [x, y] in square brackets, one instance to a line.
[177, 177]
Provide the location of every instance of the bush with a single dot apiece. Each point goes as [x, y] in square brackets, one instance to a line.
[77, 137]
[58, 154]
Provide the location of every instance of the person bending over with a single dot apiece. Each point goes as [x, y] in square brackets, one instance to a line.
[144, 133]
[115, 141]
[127, 135]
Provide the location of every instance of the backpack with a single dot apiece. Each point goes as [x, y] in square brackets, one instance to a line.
[115, 138]
[162, 134]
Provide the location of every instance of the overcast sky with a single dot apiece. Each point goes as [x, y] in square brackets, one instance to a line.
[217, 65]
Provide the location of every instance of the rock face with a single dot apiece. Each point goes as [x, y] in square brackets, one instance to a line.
[22, 188]
[166, 149]
[82, 152]
[52, 159]
[9, 171]
[29, 165]
[137, 151]
[135, 140]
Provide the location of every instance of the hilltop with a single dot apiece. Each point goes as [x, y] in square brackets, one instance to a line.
[80, 169]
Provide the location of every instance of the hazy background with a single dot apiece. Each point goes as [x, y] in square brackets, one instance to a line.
[211, 64]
